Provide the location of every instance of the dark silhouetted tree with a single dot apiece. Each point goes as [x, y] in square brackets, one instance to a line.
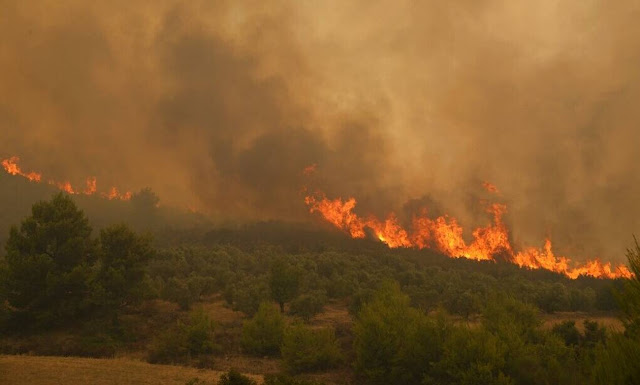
[145, 200]
[48, 262]
[145, 205]
[122, 260]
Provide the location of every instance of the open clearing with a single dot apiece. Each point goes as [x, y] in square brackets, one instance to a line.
[37, 370]
[609, 321]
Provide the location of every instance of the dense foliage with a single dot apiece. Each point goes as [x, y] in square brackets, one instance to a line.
[54, 272]
[262, 335]
[305, 349]
[414, 317]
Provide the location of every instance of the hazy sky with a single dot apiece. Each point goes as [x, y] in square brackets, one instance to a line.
[221, 104]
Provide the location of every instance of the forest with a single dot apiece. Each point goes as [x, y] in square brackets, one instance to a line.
[303, 304]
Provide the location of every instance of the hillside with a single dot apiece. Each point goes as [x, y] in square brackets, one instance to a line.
[299, 300]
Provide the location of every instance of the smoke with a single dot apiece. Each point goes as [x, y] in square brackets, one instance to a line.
[220, 105]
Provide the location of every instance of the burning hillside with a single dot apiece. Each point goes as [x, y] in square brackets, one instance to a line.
[445, 235]
[11, 166]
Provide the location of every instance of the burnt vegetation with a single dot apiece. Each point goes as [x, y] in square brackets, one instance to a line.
[310, 304]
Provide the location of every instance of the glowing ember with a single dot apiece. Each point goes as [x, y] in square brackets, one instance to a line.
[445, 235]
[490, 188]
[11, 166]
[309, 170]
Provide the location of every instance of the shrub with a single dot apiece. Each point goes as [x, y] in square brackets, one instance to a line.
[392, 341]
[177, 290]
[262, 335]
[168, 348]
[470, 357]
[186, 340]
[308, 305]
[247, 295]
[305, 349]
[233, 377]
[568, 331]
[199, 333]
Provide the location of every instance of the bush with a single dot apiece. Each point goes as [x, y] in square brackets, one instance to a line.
[233, 377]
[568, 331]
[305, 349]
[394, 341]
[200, 334]
[185, 341]
[470, 357]
[168, 348]
[308, 305]
[177, 290]
[262, 335]
[247, 295]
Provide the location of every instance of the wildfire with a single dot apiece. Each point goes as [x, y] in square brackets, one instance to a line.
[115, 194]
[490, 188]
[445, 235]
[10, 165]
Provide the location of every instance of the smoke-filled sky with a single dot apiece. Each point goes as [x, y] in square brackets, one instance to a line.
[221, 105]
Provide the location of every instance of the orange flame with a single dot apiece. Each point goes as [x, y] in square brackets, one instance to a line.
[92, 186]
[490, 188]
[10, 165]
[445, 235]
[115, 194]
[64, 186]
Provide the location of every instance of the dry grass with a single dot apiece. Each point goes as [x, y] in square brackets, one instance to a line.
[219, 312]
[36, 370]
[609, 321]
[335, 313]
[248, 364]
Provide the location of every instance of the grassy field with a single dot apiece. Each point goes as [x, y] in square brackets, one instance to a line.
[36, 370]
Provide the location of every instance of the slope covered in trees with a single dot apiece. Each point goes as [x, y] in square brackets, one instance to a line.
[303, 300]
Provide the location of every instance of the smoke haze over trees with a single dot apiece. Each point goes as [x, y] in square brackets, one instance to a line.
[221, 105]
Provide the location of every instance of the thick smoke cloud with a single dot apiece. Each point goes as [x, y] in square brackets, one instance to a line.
[221, 105]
